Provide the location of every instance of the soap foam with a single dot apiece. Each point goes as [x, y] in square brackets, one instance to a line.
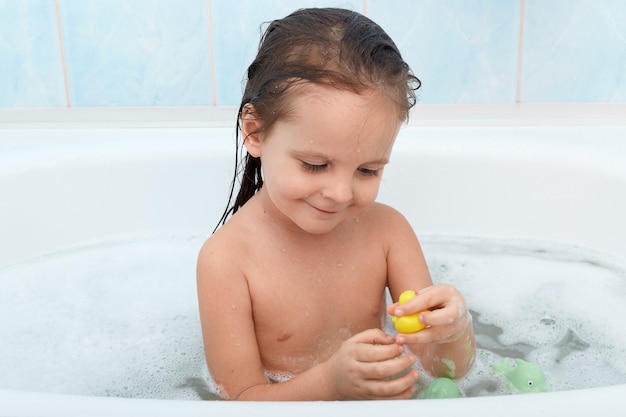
[557, 306]
[274, 376]
[111, 320]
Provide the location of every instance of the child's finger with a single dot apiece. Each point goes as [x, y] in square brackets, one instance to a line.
[367, 353]
[373, 337]
[449, 315]
[398, 388]
[438, 295]
[429, 298]
[423, 300]
[434, 334]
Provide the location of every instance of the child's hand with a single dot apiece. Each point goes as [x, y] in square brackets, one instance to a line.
[446, 321]
[363, 366]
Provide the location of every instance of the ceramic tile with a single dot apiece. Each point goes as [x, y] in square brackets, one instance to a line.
[157, 52]
[574, 51]
[236, 33]
[140, 52]
[463, 51]
[31, 72]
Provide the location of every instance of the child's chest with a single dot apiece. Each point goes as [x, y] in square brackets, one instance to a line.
[306, 303]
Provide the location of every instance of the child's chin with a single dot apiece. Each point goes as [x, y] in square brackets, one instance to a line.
[317, 227]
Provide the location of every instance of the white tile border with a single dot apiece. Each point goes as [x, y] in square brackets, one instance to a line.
[494, 114]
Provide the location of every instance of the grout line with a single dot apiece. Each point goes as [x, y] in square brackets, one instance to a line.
[62, 50]
[520, 53]
[211, 53]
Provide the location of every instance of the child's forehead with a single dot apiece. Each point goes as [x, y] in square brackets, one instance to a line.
[327, 119]
[307, 97]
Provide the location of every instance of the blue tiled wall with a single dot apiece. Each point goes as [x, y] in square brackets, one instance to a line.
[194, 52]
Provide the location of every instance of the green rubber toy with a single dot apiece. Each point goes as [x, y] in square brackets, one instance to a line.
[522, 376]
[442, 388]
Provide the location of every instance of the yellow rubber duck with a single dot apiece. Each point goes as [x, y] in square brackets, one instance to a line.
[410, 323]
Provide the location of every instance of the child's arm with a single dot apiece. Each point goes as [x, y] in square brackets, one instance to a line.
[447, 346]
[361, 368]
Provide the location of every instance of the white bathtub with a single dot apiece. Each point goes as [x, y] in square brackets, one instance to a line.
[541, 176]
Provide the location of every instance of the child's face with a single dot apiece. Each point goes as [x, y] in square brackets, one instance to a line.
[323, 163]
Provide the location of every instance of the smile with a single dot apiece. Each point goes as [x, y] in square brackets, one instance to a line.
[322, 210]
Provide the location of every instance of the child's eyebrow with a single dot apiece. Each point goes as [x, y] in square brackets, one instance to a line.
[381, 161]
[311, 154]
[324, 157]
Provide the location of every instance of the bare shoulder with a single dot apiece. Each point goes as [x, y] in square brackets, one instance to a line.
[384, 209]
[220, 253]
[388, 219]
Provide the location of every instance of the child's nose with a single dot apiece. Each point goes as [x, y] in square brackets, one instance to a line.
[338, 190]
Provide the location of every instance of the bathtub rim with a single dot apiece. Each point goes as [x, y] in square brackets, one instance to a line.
[574, 402]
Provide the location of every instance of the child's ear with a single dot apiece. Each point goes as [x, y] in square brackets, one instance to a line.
[251, 130]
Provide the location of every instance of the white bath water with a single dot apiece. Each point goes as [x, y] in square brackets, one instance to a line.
[559, 307]
[120, 319]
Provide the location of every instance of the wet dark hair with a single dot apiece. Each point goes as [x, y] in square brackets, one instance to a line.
[334, 47]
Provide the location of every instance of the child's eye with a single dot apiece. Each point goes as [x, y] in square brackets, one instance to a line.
[369, 172]
[313, 167]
